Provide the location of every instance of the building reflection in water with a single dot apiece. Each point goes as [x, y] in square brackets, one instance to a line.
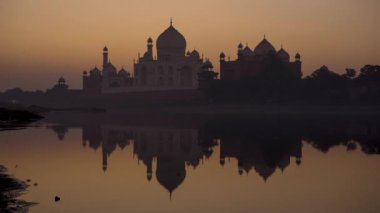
[262, 145]
[171, 149]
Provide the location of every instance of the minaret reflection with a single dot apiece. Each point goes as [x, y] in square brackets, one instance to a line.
[106, 137]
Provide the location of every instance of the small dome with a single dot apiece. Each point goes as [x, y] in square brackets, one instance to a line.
[283, 55]
[207, 64]
[123, 72]
[95, 70]
[222, 161]
[195, 55]
[222, 55]
[85, 72]
[110, 67]
[264, 48]
[324, 67]
[240, 46]
[149, 176]
[105, 49]
[194, 162]
[298, 161]
[247, 52]
[298, 56]
[150, 40]
[240, 170]
[61, 80]
[264, 170]
[188, 53]
[109, 70]
[171, 39]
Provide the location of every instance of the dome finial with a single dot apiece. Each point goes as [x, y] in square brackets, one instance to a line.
[171, 21]
[265, 37]
[150, 40]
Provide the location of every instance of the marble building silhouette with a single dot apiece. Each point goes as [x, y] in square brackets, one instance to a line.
[172, 69]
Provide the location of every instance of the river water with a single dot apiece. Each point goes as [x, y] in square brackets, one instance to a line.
[121, 162]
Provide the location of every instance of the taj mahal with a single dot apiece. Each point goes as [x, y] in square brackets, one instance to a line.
[175, 69]
[172, 69]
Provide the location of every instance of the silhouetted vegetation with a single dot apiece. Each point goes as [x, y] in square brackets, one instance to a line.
[277, 84]
[10, 189]
[15, 119]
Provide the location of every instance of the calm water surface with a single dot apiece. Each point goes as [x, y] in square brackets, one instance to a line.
[128, 163]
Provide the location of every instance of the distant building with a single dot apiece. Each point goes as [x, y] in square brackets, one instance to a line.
[251, 62]
[172, 69]
[61, 87]
[61, 84]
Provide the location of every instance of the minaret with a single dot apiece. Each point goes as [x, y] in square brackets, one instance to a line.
[222, 57]
[105, 56]
[240, 50]
[298, 57]
[298, 65]
[150, 48]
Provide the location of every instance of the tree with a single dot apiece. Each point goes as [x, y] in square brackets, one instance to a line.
[370, 73]
[324, 84]
[368, 83]
[350, 73]
[323, 74]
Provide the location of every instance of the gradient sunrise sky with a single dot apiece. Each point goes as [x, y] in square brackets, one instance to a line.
[41, 40]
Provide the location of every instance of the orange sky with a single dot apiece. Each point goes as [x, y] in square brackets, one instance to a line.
[41, 40]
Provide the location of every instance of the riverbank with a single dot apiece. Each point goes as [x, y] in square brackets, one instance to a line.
[251, 109]
[34, 112]
[10, 190]
[15, 119]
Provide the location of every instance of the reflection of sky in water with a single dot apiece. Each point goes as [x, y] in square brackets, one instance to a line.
[101, 166]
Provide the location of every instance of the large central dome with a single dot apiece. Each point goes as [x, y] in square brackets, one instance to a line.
[171, 39]
[171, 43]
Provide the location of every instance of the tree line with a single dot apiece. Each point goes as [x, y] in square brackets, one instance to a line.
[277, 84]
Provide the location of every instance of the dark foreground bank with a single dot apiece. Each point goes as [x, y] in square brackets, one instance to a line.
[10, 190]
[14, 119]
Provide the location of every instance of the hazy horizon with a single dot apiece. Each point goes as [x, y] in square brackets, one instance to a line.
[42, 40]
